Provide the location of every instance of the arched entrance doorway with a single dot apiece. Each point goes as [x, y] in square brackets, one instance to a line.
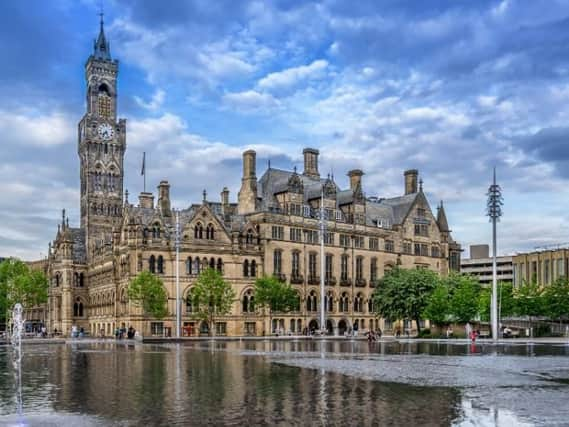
[342, 327]
[313, 326]
[329, 327]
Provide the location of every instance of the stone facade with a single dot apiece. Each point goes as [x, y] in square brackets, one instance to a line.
[273, 230]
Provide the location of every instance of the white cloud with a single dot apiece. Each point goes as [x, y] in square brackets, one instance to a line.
[250, 101]
[166, 53]
[35, 129]
[292, 76]
[155, 102]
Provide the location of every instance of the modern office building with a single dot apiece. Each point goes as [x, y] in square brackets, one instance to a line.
[480, 265]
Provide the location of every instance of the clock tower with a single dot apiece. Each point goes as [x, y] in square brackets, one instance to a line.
[101, 147]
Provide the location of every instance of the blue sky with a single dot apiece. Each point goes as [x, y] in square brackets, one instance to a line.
[452, 88]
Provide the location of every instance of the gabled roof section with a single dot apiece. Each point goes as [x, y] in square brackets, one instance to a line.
[400, 206]
[206, 214]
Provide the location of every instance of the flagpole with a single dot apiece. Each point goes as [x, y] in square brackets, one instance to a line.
[143, 171]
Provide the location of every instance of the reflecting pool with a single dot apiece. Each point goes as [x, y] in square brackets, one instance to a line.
[103, 383]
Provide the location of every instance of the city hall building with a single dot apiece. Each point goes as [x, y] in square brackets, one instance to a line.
[273, 229]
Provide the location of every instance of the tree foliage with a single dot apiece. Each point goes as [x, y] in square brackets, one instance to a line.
[20, 284]
[403, 293]
[556, 299]
[464, 290]
[530, 300]
[212, 296]
[147, 290]
[438, 305]
[275, 296]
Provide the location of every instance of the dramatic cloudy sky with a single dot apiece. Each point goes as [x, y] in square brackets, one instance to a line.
[452, 88]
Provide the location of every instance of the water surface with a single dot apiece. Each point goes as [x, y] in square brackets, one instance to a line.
[287, 383]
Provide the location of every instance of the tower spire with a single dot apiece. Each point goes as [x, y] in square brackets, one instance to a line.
[102, 47]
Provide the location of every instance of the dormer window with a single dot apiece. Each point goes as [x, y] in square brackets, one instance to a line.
[156, 231]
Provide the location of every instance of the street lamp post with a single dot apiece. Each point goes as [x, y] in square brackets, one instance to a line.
[177, 275]
[322, 259]
[494, 211]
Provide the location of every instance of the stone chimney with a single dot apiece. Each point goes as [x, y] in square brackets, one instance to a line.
[164, 198]
[146, 200]
[411, 176]
[247, 197]
[355, 178]
[224, 197]
[311, 162]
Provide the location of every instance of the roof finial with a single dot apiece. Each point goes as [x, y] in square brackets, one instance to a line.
[204, 195]
[63, 217]
[126, 196]
[294, 168]
[269, 163]
[421, 185]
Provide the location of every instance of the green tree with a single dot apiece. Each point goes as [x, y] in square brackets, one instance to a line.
[275, 295]
[212, 296]
[438, 305]
[148, 290]
[556, 299]
[20, 284]
[530, 300]
[506, 301]
[404, 294]
[463, 303]
[484, 301]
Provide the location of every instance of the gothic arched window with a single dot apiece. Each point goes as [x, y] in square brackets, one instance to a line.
[104, 99]
[189, 265]
[152, 264]
[344, 303]
[209, 232]
[358, 303]
[253, 271]
[190, 306]
[160, 264]
[248, 302]
[246, 268]
[198, 231]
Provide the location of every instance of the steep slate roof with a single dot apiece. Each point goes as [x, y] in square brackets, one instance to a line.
[275, 181]
[400, 206]
[392, 210]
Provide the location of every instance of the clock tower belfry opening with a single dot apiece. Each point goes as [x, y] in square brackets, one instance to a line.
[101, 146]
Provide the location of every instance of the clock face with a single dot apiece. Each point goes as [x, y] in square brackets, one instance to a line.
[105, 131]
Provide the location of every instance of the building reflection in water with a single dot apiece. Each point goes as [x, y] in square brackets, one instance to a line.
[161, 385]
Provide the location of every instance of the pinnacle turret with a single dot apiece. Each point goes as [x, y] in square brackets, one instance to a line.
[442, 218]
